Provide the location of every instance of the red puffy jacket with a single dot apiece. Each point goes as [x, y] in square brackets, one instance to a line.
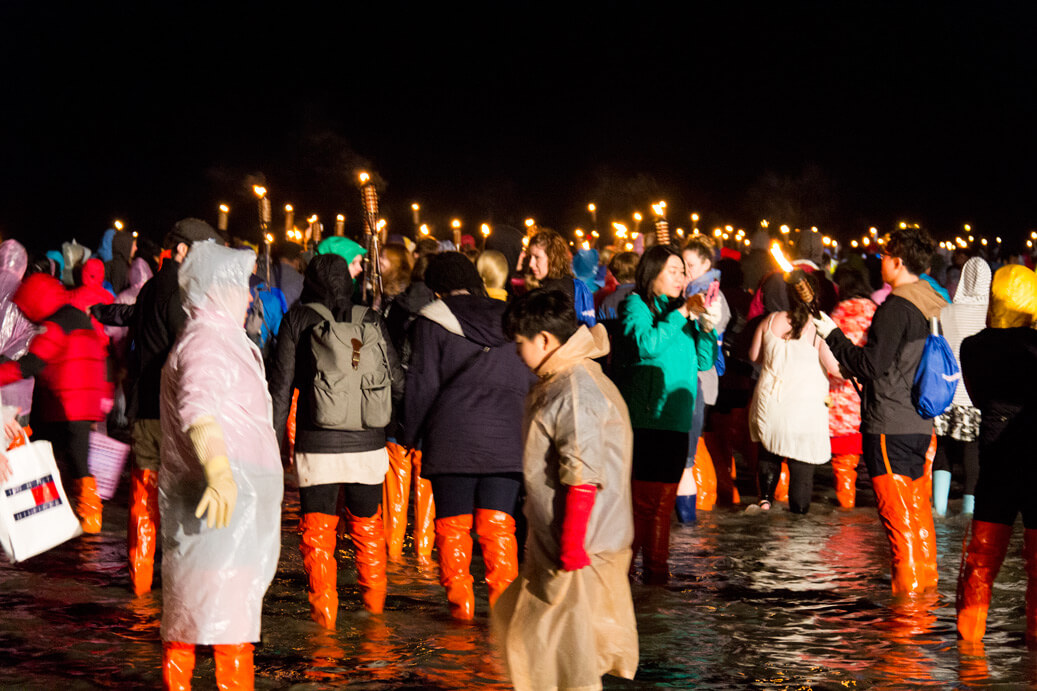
[68, 358]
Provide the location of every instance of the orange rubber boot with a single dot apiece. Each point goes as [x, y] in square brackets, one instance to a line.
[705, 479]
[424, 512]
[317, 545]
[844, 466]
[496, 531]
[177, 665]
[292, 425]
[1030, 556]
[981, 561]
[781, 492]
[395, 495]
[368, 537]
[143, 528]
[235, 670]
[925, 530]
[930, 456]
[454, 544]
[895, 496]
[87, 504]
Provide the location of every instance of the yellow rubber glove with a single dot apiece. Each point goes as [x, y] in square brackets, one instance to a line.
[221, 492]
[220, 495]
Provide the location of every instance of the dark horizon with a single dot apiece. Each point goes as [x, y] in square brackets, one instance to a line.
[842, 117]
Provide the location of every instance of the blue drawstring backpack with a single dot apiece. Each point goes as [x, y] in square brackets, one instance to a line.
[584, 303]
[937, 376]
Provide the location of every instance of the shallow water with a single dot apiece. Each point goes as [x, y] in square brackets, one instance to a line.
[766, 600]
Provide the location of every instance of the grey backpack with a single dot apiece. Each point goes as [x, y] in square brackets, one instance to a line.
[352, 387]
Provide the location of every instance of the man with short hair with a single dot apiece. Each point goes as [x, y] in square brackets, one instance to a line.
[156, 320]
[895, 436]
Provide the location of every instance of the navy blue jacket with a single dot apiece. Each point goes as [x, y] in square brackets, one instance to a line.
[466, 389]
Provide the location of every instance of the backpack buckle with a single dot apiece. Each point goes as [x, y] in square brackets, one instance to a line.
[357, 343]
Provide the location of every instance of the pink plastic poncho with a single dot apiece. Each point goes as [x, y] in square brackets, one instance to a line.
[15, 330]
[214, 580]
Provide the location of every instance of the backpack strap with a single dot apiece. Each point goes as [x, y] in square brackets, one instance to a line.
[321, 310]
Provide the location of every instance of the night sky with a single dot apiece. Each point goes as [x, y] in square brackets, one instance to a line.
[840, 115]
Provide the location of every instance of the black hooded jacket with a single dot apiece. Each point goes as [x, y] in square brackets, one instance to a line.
[116, 271]
[327, 281]
[466, 389]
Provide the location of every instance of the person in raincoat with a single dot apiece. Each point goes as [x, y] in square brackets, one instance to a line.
[999, 366]
[957, 429]
[220, 478]
[569, 618]
[68, 358]
[15, 330]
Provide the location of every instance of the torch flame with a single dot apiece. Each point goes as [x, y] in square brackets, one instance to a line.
[259, 190]
[381, 223]
[424, 229]
[779, 257]
[288, 208]
[659, 209]
[485, 228]
[312, 219]
[364, 178]
[621, 230]
[340, 217]
[269, 238]
[118, 225]
[224, 208]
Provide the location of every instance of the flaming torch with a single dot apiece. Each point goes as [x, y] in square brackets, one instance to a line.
[797, 278]
[371, 287]
[221, 220]
[662, 226]
[264, 225]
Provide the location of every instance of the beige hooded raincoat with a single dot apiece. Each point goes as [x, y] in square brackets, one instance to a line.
[565, 629]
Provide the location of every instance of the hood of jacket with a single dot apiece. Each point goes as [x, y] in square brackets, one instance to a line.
[40, 296]
[414, 297]
[974, 284]
[585, 344]
[473, 317]
[921, 295]
[104, 250]
[13, 258]
[328, 282]
[139, 272]
[122, 246]
[93, 273]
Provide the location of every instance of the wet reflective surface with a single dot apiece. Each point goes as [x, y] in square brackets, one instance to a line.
[765, 600]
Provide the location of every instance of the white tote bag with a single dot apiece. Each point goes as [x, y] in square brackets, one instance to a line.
[34, 512]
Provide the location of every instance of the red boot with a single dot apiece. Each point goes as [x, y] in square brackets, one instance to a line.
[177, 665]
[143, 528]
[368, 537]
[424, 512]
[657, 542]
[318, 559]
[844, 466]
[496, 531]
[895, 496]
[395, 495]
[454, 545]
[87, 504]
[235, 670]
[925, 530]
[981, 561]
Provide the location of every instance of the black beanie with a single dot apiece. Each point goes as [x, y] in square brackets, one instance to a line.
[450, 271]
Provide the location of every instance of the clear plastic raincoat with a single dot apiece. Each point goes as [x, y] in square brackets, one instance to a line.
[565, 629]
[213, 580]
[16, 331]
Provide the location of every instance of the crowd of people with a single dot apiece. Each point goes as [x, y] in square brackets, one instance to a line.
[565, 405]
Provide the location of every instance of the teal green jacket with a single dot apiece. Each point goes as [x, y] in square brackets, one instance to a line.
[656, 362]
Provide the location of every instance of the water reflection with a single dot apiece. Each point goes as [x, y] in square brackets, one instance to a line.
[766, 600]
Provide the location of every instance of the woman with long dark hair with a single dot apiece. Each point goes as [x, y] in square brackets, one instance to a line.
[789, 413]
[665, 342]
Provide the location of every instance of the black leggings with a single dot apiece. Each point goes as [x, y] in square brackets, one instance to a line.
[363, 501]
[949, 450]
[801, 480]
[458, 495]
[1005, 489]
[659, 455]
[71, 443]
